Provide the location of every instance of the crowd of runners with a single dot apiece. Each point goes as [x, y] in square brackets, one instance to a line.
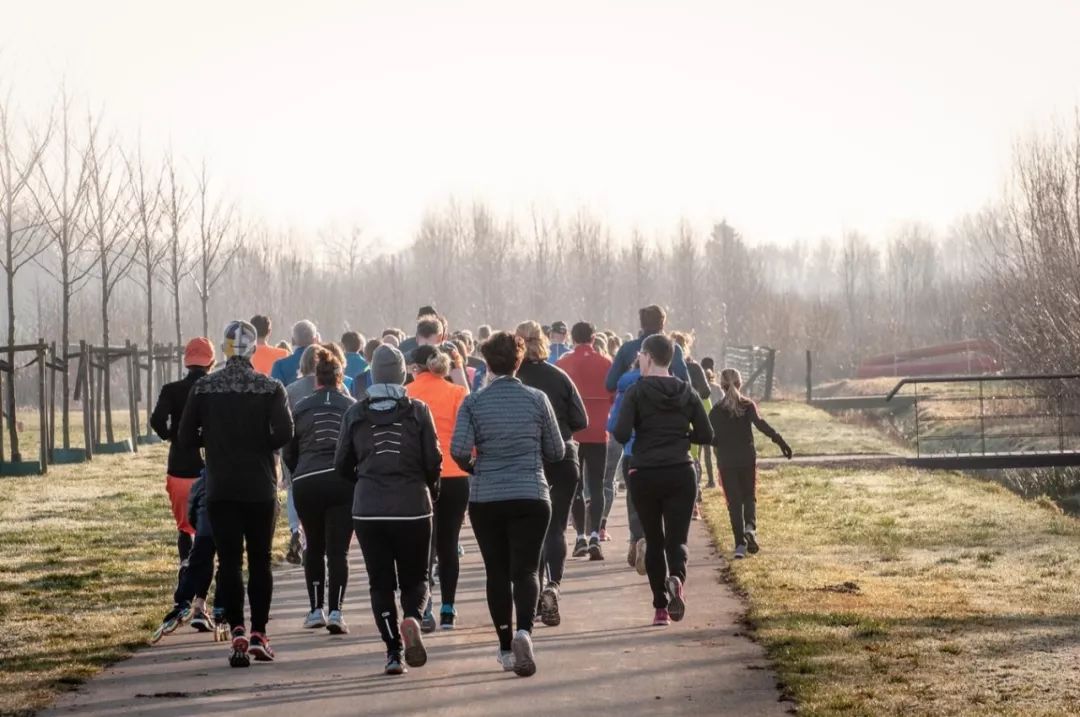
[396, 440]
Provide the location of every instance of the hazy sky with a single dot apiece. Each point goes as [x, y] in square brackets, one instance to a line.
[793, 119]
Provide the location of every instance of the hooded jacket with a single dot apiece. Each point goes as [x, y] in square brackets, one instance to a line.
[664, 415]
[588, 369]
[388, 449]
[318, 419]
[184, 461]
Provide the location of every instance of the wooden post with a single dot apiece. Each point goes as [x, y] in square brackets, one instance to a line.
[809, 377]
[131, 363]
[770, 367]
[1, 419]
[43, 416]
[57, 362]
[151, 365]
[87, 398]
[99, 394]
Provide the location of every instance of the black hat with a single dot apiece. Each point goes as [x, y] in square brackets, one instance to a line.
[558, 327]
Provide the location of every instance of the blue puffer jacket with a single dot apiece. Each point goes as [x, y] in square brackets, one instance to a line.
[627, 380]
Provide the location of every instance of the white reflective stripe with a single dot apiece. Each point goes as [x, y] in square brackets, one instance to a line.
[388, 450]
[313, 473]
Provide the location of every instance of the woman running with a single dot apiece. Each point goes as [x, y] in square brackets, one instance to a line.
[323, 499]
[665, 416]
[430, 368]
[513, 430]
[389, 450]
[733, 419]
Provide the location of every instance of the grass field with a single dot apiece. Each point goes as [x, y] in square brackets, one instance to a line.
[87, 569]
[903, 592]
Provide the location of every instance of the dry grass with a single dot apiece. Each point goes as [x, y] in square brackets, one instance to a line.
[87, 569]
[904, 592]
[801, 426]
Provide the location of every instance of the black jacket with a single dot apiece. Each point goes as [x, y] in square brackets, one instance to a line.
[665, 415]
[733, 436]
[389, 449]
[184, 461]
[697, 378]
[240, 417]
[564, 397]
[317, 425]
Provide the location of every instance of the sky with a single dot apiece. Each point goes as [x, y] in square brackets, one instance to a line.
[792, 119]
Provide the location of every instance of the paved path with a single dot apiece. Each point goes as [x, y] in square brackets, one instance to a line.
[605, 658]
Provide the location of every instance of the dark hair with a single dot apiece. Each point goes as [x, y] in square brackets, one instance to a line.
[369, 348]
[483, 333]
[393, 332]
[426, 311]
[352, 341]
[261, 324]
[583, 332]
[328, 369]
[708, 363]
[430, 358]
[652, 318]
[660, 348]
[503, 352]
[429, 326]
[462, 349]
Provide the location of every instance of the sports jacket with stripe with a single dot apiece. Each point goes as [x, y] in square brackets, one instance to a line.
[317, 419]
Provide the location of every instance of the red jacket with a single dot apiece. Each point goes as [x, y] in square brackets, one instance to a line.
[588, 370]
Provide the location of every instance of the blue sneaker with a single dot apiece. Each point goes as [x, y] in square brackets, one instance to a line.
[447, 617]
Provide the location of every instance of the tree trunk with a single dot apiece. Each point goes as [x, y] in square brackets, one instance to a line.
[149, 343]
[13, 429]
[65, 334]
[107, 370]
[176, 325]
[204, 298]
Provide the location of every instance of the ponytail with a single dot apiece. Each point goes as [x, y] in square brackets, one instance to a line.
[328, 369]
[733, 401]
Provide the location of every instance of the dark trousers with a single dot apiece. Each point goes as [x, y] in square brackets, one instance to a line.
[633, 521]
[449, 516]
[396, 556]
[236, 524]
[324, 504]
[740, 487]
[592, 458]
[664, 498]
[611, 465]
[195, 579]
[510, 534]
[562, 480]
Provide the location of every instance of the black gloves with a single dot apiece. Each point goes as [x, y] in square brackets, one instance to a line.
[784, 448]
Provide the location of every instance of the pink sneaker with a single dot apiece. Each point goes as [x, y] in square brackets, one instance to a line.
[661, 619]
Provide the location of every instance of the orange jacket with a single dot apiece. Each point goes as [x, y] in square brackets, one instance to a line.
[264, 357]
[443, 399]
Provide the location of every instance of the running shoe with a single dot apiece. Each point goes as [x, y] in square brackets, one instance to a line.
[697, 512]
[639, 564]
[506, 659]
[460, 550]
[201, 621]
[524, 660]
[676, 601]
[740, 551]
[415, 653]
[661, 618]
[447, 617]
[581, 548]
[605, 536]
[631, 554]
[293, 553]
[239, 656]
[315, 619]
[428, 624]
[752, 546]
[259, 647]
[595, 551]
[549, 605]
[336, 624]
[393, 664]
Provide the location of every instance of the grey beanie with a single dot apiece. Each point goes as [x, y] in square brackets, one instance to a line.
[387, 365]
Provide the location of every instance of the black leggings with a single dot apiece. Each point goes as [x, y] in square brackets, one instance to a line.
[235, 523]
[324, 504]
[196, 577]
[449, 515]
[593, 459]
[510, 534]
[739, 488]
[664, 498]
[562, 479]
[396, 555]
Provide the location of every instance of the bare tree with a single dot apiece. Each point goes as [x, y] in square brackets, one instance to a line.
[24, 239]
[220, 238]
[176, 205]
[111, 225]
[61, 200]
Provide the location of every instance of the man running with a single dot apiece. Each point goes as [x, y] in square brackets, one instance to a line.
[652, 319]
[557, 339]
[265, 354]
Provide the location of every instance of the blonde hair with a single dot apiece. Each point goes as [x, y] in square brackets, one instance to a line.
[684, 339]
[537, 347]
[733, 401]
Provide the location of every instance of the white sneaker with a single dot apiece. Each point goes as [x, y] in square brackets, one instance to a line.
[524, 660]
[316, 618]
[740, 552]
[506, 659]
[640, 562]
[336, 623]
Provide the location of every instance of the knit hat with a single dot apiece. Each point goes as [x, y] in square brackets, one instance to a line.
[199, 352]
[240, 339]
[387, 365]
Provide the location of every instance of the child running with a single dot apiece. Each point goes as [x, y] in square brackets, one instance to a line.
[732, 420]
[664, 415]
[389, 450]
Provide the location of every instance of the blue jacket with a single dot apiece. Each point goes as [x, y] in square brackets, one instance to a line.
[286, 370]
[627, 380]
[355, 364]
[557, 351]
[624, 361]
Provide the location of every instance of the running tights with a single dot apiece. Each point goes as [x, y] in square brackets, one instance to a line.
[234, 524]
[593, 458]
[739, 489]
[324, 504]
[396, 555]
[562, 479]
[449, 515]
[664, 498]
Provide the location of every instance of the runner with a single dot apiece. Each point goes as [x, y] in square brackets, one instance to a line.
[588, 368]
[652, 318]
[664, 415]
[635, 555]
[513, 430]
[715, 395]
[323, 498]
[430, 367]
[563, 476]
[240, 417]
[557, 338]
[388, 448]
[265, 355]
[409, 343]
[733, 419]
[701, 384]
[185, 464]
[355, 363]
